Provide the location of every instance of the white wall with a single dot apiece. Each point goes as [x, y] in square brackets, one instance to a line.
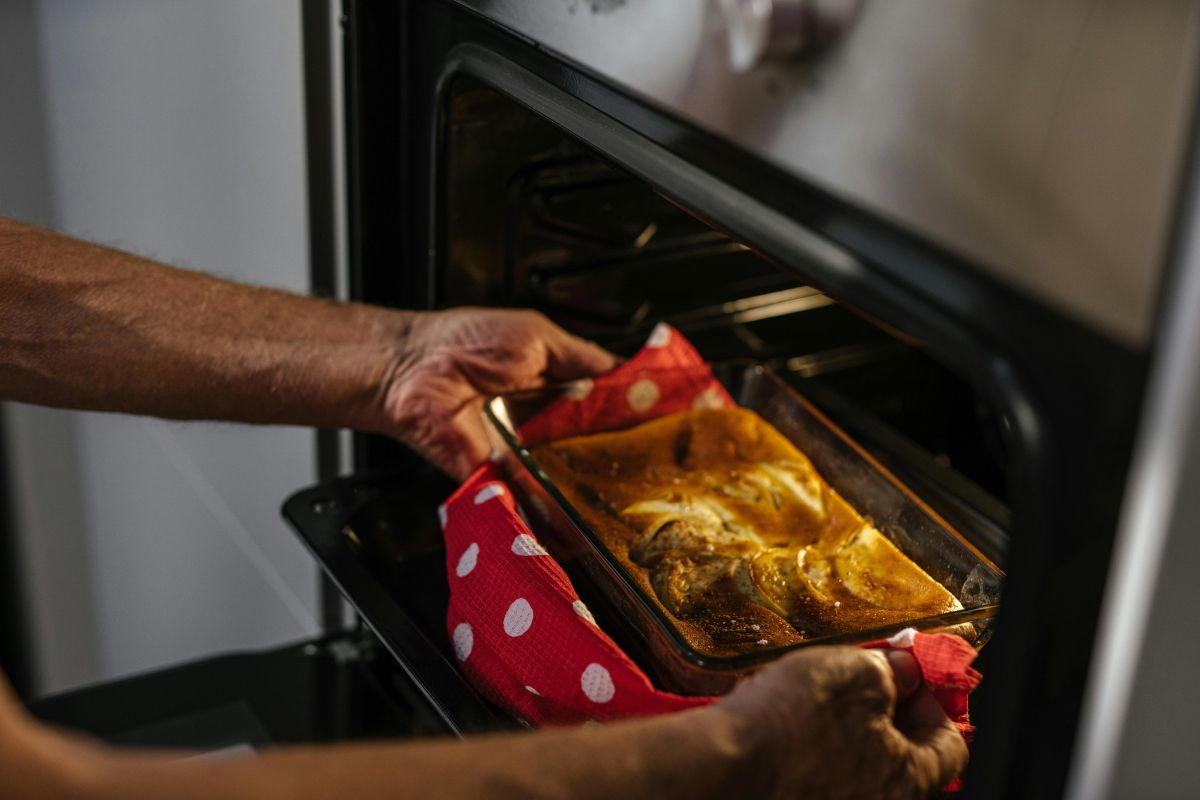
[172, 128]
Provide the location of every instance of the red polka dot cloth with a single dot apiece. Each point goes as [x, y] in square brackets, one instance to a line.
[522, 635]
[665, 377]
[525, 639]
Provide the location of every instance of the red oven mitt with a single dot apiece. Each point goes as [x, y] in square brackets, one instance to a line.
[521, 633]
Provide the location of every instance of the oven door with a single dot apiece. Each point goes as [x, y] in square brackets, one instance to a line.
[379, 541]
[1047, 404]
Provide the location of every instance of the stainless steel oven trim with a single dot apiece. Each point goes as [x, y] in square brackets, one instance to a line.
[1039, 140]
[324, 126]
[1157, 517]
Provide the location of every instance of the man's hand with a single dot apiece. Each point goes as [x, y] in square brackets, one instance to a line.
[836, 722]
[453, 360]
[822, 723]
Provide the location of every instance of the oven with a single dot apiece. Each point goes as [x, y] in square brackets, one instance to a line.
[950, 228]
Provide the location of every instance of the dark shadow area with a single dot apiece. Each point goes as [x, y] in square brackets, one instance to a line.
[25, 186]
[25, 194]
[47, 630]
[14, 647]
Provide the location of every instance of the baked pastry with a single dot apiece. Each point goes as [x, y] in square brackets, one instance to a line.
[732, 530]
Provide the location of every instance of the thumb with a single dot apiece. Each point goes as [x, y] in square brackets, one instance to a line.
[462, 444]
[905, 672]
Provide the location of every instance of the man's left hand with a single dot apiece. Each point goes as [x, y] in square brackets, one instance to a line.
[453, 360]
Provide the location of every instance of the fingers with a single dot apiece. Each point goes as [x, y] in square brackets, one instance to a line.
[876, 682]
[865, 725]
[441, 418]
[474, 449]
[570, 357]
[842, 677]
[935, 748]
[463, 445]
[927, 740]
[927, 743]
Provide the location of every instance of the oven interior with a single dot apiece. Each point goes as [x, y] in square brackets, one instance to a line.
[531, 218]
[527, 216]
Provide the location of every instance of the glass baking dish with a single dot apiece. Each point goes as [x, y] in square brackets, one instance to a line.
[646, 631]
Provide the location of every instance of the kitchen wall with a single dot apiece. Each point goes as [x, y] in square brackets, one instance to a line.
[174, 129]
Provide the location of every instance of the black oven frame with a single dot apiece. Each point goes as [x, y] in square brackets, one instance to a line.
[1073, 406]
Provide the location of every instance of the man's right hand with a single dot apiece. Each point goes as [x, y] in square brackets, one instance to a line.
[825, 722]
[842, 722]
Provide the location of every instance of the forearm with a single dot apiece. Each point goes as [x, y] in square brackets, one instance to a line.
[696, 754]
[85, 326]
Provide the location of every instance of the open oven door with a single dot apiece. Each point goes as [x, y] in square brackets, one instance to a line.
[1009, 413]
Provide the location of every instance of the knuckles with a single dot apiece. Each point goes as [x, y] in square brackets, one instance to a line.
[829, 710]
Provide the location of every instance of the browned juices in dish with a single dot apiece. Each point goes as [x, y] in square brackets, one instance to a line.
[729, 527]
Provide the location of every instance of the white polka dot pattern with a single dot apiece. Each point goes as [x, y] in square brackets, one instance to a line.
[488, 492]
[597, 684]
[514, 661]
[905, 638]
[709, 398]
[526, 545]
[580, 389]
[642, 395]
[583, 611]
[466, 562]
[660, 336]
[464, 640]
[518, 618]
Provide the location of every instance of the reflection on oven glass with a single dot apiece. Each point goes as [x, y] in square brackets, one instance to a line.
[536, 219]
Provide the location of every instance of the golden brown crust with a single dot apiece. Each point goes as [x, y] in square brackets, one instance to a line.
[730, 529]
